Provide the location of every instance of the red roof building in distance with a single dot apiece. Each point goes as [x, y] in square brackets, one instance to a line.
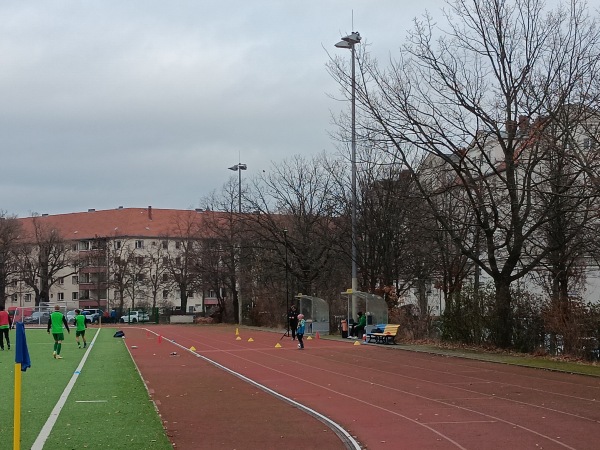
[120, 222]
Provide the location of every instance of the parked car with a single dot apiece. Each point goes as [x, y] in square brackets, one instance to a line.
[70, 316]
[92, 315]
[37, 317]
[134, 317]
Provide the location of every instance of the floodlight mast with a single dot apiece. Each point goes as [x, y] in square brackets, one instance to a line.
[349, 42]
[238, 168]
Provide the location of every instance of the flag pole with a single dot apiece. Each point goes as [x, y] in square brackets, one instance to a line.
[17, 409]
[22, 363]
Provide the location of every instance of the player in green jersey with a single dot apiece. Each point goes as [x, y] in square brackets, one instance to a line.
[56, 322]
[80, 326]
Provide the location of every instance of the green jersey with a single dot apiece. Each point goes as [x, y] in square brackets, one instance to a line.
[56, 322]
[80, 322]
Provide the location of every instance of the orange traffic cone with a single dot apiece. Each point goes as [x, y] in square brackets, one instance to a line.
[365, 338]
[317, 336]
[159, 338]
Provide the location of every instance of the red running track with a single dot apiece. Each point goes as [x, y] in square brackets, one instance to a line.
[386, 398]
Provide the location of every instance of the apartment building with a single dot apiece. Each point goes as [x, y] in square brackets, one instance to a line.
[97, 243]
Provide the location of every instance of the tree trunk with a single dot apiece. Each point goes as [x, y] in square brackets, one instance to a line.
[502, 328]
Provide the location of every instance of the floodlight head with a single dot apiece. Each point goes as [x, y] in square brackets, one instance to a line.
[234, 168]
[353, 38]
[242, 166]
[343, 44]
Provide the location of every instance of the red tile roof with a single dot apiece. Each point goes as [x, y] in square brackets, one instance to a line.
[122, 222]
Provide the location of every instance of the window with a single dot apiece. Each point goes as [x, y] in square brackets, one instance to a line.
[177, 244]
[14, 298]
[139, 260]
[165, 294]
[75, 296]
[84, 245]
[61, 281]
[60, 296]
[139, 277]
[75, 280]
[165, 244]
[165, 277]
[139, 244]
[178, 261]
[27, 297]
[190, 294]
[117, 244]
[211, 294]
[165, 260]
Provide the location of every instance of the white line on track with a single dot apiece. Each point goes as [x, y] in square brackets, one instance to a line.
[47, 428]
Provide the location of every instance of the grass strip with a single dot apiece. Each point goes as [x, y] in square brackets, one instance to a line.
[109, 406]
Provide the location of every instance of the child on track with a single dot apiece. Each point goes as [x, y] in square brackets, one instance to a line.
[300, 331]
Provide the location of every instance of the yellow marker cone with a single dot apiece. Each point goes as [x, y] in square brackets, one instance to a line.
[357, 343]
[238, 338]
[250, 340]
[237, 332]
[278, 345]
[192, 348]
[309, 338]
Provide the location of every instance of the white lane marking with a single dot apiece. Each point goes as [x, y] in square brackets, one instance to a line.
[47, 428]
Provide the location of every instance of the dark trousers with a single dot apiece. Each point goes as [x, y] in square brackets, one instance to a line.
[3, 336]
[300, 340]
[357, 331]
[293, 326]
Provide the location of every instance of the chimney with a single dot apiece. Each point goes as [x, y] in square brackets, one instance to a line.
[91, 210]
[150, 212]
[524, 124]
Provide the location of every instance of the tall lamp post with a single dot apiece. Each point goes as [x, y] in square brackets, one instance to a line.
[238, 168]
[349, 42]
[287, 290]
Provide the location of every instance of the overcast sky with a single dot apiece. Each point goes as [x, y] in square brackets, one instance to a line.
[137, 103]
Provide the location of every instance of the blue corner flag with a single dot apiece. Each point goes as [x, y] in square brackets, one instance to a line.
[22, 353]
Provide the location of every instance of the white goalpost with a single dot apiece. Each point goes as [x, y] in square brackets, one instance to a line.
[36, 315]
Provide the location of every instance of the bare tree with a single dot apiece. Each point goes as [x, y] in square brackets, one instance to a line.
[301, 196]
[121, 260]
[157, 276]
[41, 257]
[9, 234]
[181, 261]
[460, 94]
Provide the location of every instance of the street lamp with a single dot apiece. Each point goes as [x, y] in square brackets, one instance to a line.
[349, 42]
[238, 168]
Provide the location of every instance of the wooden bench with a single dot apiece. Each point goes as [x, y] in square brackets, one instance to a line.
[390, 332]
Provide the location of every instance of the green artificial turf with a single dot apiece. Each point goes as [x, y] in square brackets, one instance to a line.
[108, 407]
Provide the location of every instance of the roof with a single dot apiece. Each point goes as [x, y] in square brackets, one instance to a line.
[121, 222]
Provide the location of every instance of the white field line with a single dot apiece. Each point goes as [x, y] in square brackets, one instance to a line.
[47, 428]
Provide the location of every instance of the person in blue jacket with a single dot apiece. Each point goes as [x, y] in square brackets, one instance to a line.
[300, 331]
